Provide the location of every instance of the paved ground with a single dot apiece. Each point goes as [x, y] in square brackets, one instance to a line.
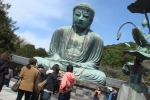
[8, 94]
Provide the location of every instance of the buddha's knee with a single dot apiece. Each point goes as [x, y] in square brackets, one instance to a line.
[95, 76]
[93, 73]
[45, 62]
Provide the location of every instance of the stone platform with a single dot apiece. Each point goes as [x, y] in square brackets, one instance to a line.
[83, 90]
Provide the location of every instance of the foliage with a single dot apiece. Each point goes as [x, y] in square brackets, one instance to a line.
[114, 73]
[114, 58]
[41, 52]
[30, 51]
[7, 28]
[26, 51]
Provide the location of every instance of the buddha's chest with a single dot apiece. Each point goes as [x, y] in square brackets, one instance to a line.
[75, 44]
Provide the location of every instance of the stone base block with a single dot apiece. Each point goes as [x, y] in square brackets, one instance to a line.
[131, 91]
[83, 90]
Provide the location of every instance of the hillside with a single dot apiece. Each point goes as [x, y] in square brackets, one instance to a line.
[113, 59]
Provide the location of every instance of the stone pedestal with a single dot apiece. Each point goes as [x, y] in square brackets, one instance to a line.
[132, 91]
[83, 90]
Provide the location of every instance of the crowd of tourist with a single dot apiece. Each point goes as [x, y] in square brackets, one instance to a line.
[31, 78]
[39, 84]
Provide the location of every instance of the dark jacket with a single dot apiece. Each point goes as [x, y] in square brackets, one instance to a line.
[51, 82]
[4, 65]
[40, 78]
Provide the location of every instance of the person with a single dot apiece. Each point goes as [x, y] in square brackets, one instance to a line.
[113, 94]
[28, 76]
[40, 78]
[51, 82]
[57, 83]
[97, 94]
[8, 76]
[4, 65]
[77, 45]
[67, 83]
[16, 73]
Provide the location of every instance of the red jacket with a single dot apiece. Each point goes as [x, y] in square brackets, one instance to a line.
[67, 81]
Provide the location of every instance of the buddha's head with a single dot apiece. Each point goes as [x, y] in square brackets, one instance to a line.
[83, 15]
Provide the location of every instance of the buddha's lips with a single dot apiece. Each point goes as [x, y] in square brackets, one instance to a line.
[80, 23]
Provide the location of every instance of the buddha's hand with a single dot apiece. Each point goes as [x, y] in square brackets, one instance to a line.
[66, 62]
[56, 57]
[75, 64]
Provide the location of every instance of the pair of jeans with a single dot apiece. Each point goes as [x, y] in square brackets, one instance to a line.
[35, 95]
[46, 95]
[7, 81]
[21, 93]
[63, 96]
[95, 98]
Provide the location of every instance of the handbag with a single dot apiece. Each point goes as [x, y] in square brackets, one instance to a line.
[67, 90]
[15, 87]
[41, 85]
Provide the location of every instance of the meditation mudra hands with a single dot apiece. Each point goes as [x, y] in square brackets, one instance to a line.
[65, 62]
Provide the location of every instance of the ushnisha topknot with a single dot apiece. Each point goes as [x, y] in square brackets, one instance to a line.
[84, 5]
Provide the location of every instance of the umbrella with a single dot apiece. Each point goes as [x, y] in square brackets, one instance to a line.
[140, 6]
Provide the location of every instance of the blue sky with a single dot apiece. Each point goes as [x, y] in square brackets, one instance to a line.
[38, 19]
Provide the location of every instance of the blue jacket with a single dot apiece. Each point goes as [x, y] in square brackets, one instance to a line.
[111, 95]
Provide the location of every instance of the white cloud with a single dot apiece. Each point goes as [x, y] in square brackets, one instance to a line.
[33, 39]
[35, 13]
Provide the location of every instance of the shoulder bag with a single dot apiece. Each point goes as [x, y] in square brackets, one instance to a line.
[15, 87]
[41, 85]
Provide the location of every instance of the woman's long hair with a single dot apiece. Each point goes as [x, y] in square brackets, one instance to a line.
[6, 57]
[32, 61]
[55, 68]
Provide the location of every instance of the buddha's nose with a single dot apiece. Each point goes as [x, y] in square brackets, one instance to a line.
[81, 18]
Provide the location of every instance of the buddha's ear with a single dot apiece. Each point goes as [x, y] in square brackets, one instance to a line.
[91, 20]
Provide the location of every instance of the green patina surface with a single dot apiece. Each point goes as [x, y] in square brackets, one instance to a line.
[134, 69]
[133, 89]
[77, 45]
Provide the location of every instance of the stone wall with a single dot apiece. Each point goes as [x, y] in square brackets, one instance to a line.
[83, 90]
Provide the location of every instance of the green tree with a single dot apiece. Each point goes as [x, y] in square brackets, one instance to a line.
[7, 28]
[113, 55]
[114, 58]
[41, 52]
[27, 50]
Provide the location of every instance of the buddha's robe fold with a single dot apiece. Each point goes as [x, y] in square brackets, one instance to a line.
[91, 52]
[85, 61]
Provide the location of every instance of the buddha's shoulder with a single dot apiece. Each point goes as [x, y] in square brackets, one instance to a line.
[64, 28]
[94, 34]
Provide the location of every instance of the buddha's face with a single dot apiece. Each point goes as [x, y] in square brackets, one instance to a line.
[82, 17]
